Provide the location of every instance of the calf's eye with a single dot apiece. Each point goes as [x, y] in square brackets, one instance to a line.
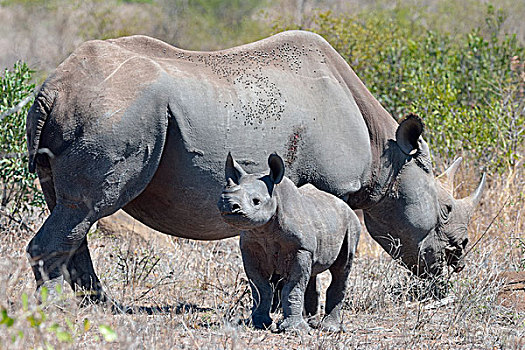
[256, 201]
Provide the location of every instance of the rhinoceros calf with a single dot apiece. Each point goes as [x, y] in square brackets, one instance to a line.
[295, 233]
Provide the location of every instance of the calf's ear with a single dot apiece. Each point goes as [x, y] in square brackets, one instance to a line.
[233, 170]
[408, 133]
[276, 164]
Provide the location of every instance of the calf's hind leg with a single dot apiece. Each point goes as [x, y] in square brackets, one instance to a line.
[340, 271]
[311, 301]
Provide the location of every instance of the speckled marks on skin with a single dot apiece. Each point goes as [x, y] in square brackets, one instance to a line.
[249, 71]
[269, 103]
[246, 70]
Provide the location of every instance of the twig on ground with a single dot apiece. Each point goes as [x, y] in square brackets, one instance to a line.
[487, 229]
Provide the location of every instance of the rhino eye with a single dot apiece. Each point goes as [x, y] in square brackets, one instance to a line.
[445, 212]
[256, 201]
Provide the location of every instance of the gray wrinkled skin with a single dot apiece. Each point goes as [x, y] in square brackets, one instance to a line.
[137, 124]
[294, 233]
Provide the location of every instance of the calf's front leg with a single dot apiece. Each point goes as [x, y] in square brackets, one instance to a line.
[293, 292]
[262, 291]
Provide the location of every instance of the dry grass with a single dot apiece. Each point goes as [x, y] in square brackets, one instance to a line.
[195, 294]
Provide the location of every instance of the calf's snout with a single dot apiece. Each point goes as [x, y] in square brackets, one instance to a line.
[229, 205]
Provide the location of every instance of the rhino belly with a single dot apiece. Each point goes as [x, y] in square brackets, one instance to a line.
[181, 212]
[181, 199]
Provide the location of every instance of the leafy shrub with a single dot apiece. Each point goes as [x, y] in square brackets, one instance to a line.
[218, 24]
[467, 88]
[17, 185]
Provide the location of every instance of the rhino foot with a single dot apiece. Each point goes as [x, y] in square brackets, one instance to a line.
[328, 324]
[262, 322]
[297, 324]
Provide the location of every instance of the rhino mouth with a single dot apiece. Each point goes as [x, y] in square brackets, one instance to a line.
[454, 256]
[236, 211]
[235, 218]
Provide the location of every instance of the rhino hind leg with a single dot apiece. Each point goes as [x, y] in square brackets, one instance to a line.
[57, 242]
[45, 177]
[82, 277]
[311, 301]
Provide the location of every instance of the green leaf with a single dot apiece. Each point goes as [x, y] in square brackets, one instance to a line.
[32, 321]
[44, 293]
[87, 325]
[53, 328]
[108, 333]
[24, 302]
[70, 325]
[64, 336]
[8, 321]
[49, 346]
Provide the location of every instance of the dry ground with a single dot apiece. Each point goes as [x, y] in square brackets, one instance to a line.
[195, 294]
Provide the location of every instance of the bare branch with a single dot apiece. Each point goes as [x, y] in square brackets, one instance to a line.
[16, 108]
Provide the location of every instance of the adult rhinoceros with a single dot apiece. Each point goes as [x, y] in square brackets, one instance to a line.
[137, 124]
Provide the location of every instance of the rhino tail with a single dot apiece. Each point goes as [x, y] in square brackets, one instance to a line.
[36, 119]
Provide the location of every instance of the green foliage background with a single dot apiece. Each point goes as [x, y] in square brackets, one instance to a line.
[468, 86]
[17, 186]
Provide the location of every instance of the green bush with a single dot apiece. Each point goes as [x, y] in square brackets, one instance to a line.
[468, 88]
[17, 185]
[218, 24]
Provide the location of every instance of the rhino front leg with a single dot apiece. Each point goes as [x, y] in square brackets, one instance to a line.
[294, 292]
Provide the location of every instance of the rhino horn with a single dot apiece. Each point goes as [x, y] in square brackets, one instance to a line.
[469, 203]
[473, 200]
[231, 183]
[447, 177]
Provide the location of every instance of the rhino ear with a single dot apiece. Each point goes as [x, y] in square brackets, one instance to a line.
[276, 168]
[233, 170]
[408, 133]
